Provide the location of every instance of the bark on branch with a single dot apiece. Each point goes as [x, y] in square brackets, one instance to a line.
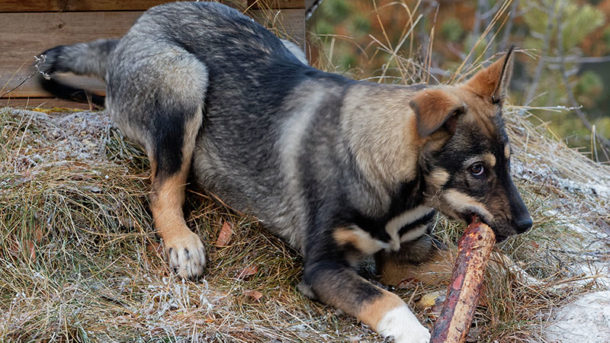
[463, 292]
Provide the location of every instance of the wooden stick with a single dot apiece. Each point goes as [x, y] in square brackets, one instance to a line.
[463, 292]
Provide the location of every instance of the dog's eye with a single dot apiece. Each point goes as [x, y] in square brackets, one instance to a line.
[477, 170]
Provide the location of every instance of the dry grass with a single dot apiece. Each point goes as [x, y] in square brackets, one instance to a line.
[79, 260]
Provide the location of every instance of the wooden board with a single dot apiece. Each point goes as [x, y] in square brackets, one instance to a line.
[105, 5]
[25, 35]
[131, 5]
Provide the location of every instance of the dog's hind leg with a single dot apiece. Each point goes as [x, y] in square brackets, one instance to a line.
[170, 167]
[160, 105]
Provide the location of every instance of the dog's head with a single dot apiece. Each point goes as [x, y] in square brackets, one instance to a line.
[466, 156]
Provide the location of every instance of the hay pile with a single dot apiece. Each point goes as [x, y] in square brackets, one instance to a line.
[80, 261]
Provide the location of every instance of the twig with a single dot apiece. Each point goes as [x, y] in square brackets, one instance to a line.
[578, 59]
[26, 79]
[474, 249]
[598, 254]
[509, 26]
[39, 60]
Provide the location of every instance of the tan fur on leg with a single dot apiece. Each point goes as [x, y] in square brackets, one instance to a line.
[435, 271]
[185, 251]
[372, 312]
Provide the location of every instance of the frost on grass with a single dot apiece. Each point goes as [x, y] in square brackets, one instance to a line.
[80, 261]
[60, 138]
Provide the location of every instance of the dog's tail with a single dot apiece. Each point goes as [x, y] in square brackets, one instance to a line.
[88, 59]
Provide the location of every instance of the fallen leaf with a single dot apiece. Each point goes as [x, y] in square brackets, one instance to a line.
[247, 272]
[431, 299]
[255, 295]
[38, 235]
[407, 283]
[224, 237]
[32, 249]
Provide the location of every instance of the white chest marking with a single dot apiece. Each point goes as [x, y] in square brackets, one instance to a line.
[359, 239]
[406, 218]
[414, 233]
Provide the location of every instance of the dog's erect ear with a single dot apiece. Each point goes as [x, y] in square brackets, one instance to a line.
[435, 109]
[493, 81]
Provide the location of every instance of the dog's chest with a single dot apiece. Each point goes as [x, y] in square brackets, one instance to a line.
[407, 226]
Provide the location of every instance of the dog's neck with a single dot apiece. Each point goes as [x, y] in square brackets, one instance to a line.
[381, 130]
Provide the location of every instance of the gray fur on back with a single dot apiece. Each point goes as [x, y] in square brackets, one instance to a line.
[242, 74]
[270, 143]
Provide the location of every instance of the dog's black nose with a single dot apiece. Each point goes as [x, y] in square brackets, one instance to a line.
[523, 224]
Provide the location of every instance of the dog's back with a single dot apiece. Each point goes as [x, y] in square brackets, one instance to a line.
[254, 92]
[258, 96]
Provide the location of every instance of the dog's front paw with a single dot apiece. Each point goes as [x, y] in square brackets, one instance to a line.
[186, 254]
[401, 324]
[416, 335]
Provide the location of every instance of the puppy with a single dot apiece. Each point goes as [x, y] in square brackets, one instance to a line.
[340, 169]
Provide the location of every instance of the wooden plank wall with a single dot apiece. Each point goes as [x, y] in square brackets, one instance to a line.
[28, 27]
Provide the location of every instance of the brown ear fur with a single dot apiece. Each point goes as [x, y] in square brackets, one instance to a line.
[493, 81]
[435, 108]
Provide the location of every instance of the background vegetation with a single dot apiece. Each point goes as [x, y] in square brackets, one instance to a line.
[563, 70]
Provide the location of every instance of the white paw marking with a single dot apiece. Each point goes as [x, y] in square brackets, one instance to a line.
[186, 255]
[401, 324]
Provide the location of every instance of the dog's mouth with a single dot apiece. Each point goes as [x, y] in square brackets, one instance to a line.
[471, 217]
[468, 214]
